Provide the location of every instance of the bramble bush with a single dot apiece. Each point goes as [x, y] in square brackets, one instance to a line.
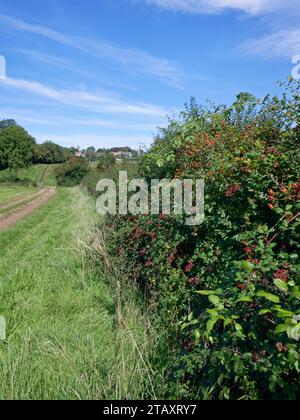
[227, 291]
[72, 172]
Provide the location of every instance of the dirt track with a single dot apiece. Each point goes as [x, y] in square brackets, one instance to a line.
[37, 201]
[18, 201]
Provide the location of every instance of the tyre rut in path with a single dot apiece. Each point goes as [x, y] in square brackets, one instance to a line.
[18, 215]
[19, 200]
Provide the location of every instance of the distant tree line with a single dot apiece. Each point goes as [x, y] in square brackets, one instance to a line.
[50, 152]
[93, 154]
[19, 149]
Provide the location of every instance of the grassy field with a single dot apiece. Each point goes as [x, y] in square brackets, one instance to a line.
[11, 192]
[63, 338]
[42, 175]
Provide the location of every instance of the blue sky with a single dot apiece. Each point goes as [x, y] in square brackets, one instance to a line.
[107, 72]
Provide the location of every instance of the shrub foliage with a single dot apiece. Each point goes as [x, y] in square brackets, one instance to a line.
[72, 172]
[227, 291]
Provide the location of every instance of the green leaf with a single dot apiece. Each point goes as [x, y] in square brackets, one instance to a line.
[197, 336]
[213, 313]
[227, 322]
[281, 285]
[269, 296]
[215, 300]
[210, 292]
[294, 332]
[280, 329]
[284, 314]
[238, 327]
[248, 266]
[296, 292]
[264, 312]
[246, 299]
[210, 324]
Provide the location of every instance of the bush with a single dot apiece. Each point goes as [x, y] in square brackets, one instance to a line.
[49, 153]
[228, 290]
[13, 179]
[106, 160]
[72, 172]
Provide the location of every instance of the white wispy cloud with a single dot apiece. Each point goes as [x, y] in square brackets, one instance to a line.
[46, 58]
[92, 101]
[281, 43]
[139, 62]
[251, 7]
[71, 66]
[57, 120]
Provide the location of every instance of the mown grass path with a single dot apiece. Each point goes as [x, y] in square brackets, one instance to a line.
[63, 341]
[18, 211]
[12, 192]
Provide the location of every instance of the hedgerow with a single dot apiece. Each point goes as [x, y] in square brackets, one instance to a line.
[72, 172]
[227, 291]
[109, 171]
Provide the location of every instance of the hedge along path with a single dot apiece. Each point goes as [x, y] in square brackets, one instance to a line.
[15, 216]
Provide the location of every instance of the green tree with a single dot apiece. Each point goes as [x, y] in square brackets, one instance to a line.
[50, 152]
[16, 148]
[7, 123]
